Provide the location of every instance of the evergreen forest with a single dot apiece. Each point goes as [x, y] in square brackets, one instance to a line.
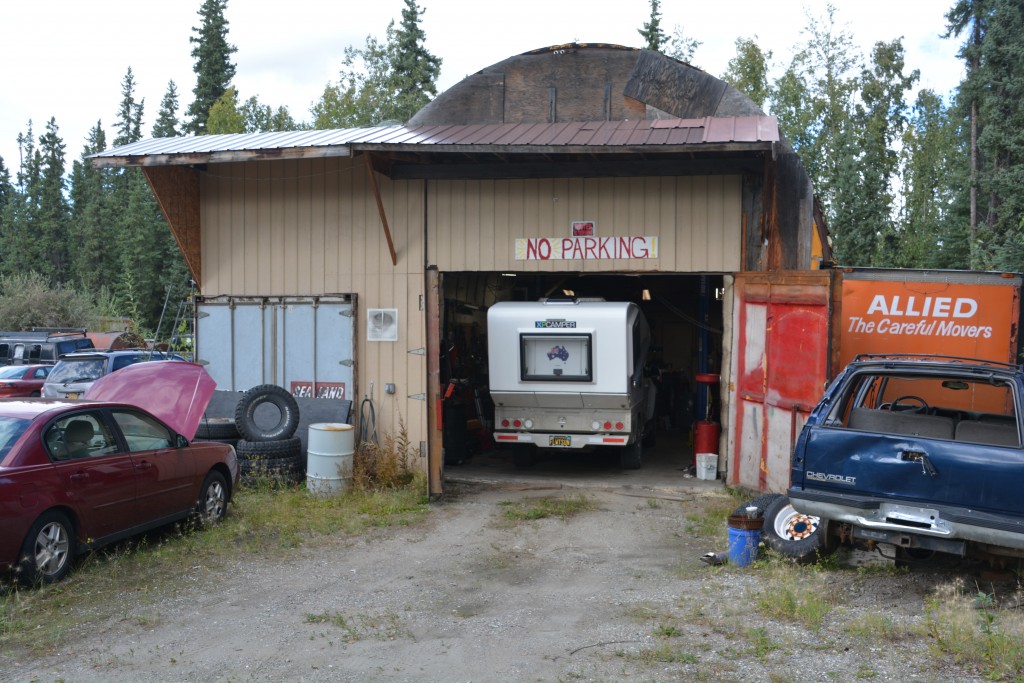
[906, 177]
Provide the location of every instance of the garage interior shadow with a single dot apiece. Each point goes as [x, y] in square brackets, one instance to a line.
[669, 464]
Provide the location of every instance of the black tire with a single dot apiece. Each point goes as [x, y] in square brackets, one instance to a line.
[217, 429]
[800, 537]
[631, 457]
[230, 442]
[650, 439]
[293, 463]
[760, 502]
[212, 504]
[524, 456]
[288, 414]
[264, 450]
[48, 550]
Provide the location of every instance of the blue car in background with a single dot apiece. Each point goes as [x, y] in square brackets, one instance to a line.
[912, 455]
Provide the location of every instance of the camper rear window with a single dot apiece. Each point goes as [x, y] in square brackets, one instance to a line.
[555, 357]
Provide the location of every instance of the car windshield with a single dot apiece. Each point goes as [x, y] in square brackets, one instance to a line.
[12, 372]
[10, 429]
[84, 370]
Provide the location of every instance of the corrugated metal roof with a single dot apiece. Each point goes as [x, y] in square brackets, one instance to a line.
[648, 133]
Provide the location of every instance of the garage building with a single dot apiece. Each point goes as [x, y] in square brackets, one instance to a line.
[584, 169]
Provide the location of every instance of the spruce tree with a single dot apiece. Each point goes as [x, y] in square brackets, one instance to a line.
[93, 219]
[652, 34]
[213, 66]
[414, 69]
[383, 81]
[49, 228]
[166, 125]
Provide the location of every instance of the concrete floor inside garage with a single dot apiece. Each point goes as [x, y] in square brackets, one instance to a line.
[666, 467]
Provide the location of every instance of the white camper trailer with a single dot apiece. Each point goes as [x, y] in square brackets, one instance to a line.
[569, 374]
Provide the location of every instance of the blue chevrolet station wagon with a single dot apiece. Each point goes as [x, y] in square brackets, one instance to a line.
[920, 453]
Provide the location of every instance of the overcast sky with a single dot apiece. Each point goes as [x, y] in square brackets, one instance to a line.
[67, 58]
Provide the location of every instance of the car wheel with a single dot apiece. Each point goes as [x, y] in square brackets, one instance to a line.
[793, 534]
[288, 409]
[213, 499]
[48, 550]
[631, 457]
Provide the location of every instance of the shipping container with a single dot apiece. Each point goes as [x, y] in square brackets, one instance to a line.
[304, 344]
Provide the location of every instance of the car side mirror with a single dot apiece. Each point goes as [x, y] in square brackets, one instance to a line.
[180, 441]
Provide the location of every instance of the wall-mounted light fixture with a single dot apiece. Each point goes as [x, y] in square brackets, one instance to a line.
[647, 295]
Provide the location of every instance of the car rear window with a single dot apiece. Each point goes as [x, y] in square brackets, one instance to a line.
[78, 370]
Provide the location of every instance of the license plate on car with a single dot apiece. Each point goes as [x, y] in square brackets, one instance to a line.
[559, 441]
[71, 395]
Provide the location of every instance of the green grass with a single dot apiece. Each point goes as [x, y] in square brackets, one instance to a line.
[541, 508]
[971, 628]
[264, 521]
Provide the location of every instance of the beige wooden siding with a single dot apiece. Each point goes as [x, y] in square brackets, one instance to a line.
[311, 227]
[473, 225]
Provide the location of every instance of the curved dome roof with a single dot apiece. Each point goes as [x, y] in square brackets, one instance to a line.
[585, 82]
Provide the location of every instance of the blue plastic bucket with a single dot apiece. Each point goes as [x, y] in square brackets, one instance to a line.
[743, 544]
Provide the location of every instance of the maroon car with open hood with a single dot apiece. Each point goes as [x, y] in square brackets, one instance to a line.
[77, 474]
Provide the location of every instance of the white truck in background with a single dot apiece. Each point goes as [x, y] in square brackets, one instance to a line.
[568, 374]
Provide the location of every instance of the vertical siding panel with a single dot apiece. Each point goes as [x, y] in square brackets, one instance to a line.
[668, 224]
[347, 247]
[304, 233]
[224, 244]
[686, 243]
[317, 242]
[517, 222]
[716, 225]
[484, 230]
[417, 196]
[332, 228]
[602, 209]
[701, 229]
[248, 185]
[274, 279]
[264, 227]
[531, 219]
[290, 261]
[732, 212]
[502, 251]
[457, 223]
[621, 217]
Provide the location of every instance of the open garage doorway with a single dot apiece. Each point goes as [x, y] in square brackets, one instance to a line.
[685, 315]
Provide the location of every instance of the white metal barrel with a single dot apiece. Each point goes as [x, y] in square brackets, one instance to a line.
[329, 457]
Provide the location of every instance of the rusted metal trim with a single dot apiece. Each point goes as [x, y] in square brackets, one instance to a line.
[435, 442]
[380, 207]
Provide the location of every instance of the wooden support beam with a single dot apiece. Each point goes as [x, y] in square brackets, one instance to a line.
[380, 208]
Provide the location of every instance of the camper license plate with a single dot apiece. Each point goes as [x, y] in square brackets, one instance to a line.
[560, 441]
[72, 395]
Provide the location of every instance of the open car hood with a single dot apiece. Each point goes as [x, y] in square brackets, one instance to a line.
[175, 392]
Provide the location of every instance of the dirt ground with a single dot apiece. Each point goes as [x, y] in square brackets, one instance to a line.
[617, 593]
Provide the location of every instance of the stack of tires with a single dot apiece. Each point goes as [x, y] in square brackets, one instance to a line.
[268, 450]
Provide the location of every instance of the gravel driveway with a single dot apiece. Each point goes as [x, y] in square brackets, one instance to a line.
[611, 594]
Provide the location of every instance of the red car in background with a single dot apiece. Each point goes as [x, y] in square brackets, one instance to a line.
[22, 380]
